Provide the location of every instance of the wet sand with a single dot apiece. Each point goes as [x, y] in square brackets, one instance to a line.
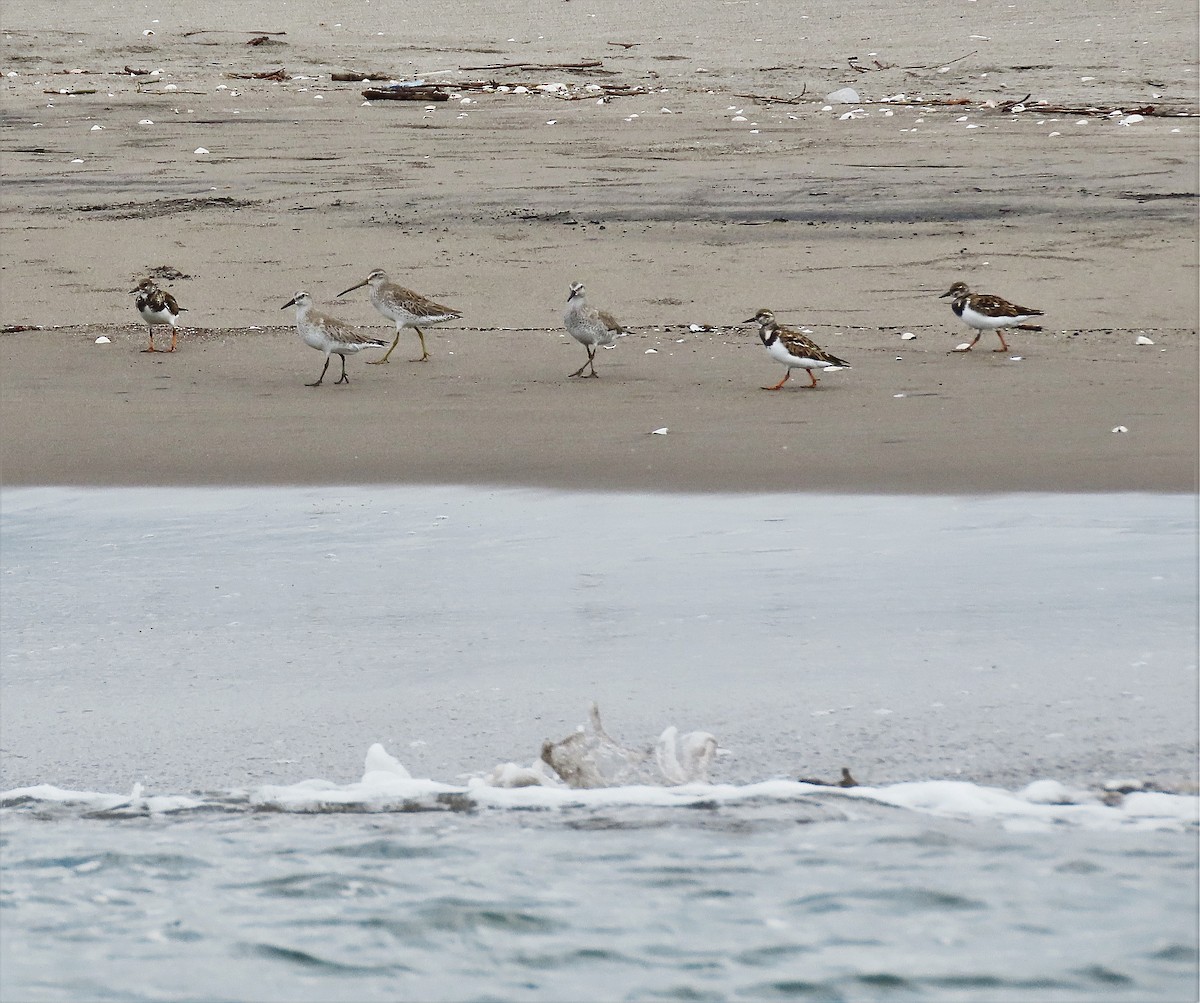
[720, 187]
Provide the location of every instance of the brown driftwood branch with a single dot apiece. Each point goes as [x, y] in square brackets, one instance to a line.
[606, 90]
[587, 64]
[774, 99]
[956, 59]
[405, 94]
[349, 76]
[858, 67]
[65, 93]
[279, 74]
[225, 31]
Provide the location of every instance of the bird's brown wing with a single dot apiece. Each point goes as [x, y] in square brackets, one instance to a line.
[421, 306]
[997, 306]
[169, 300]
[609, 321]
[339, 330]
[804, 347]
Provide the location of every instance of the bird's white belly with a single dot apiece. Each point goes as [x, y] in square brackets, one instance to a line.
[589, 332]
[781, 354]
[314, 337]
[982, 322]
[157, 317]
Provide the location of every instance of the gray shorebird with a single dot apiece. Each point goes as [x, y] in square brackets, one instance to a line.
[986, 313]
[589, 326]
[157, 307]
[793, 349]
[405, 307]
[328, 334]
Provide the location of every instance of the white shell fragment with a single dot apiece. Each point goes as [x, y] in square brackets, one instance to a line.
[1120, 429]
[200, 151]
[103, 340]
[907, 336]
[843, 95]
[660, 431]
[1143, 340]
[963, 347]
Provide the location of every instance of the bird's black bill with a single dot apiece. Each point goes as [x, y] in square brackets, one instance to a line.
[351, 289]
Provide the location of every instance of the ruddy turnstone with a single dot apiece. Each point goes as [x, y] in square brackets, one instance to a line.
[986, 313]
[328, 334]
[157, 307]
[405, 307]
[793, 349]
[589, 326]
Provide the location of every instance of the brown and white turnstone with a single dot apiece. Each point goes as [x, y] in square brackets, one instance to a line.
[794, 349]
[157, 307]
[986, 313]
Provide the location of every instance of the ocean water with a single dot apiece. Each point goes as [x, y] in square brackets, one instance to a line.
[288, 745]
[812, 896]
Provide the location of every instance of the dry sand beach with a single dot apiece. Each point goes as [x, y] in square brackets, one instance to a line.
[712, 180]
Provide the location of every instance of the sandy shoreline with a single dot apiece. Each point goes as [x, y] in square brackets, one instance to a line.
[496, 407]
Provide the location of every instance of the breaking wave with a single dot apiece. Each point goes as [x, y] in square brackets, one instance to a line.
[589, 768]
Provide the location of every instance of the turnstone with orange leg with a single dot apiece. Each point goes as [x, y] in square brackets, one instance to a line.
[793, 349]
[590, 327]
[157, 307]
[328, 334]
[405, 307]
[986, 313]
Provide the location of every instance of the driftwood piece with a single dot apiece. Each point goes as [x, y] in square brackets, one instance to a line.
[948, 62]
[349, 76]
[227, 31]
[405, 94]
[587, 64]
[136, 73]
[770, 99]
[603, 90]
[1013, 107]
[279, 74]
[72, 92]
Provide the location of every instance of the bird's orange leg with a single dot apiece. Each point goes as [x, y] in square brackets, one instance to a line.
[1003, 344]
[151, 348]
[970, 346]
[812, 376]
[786, 376]
[174, 338]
